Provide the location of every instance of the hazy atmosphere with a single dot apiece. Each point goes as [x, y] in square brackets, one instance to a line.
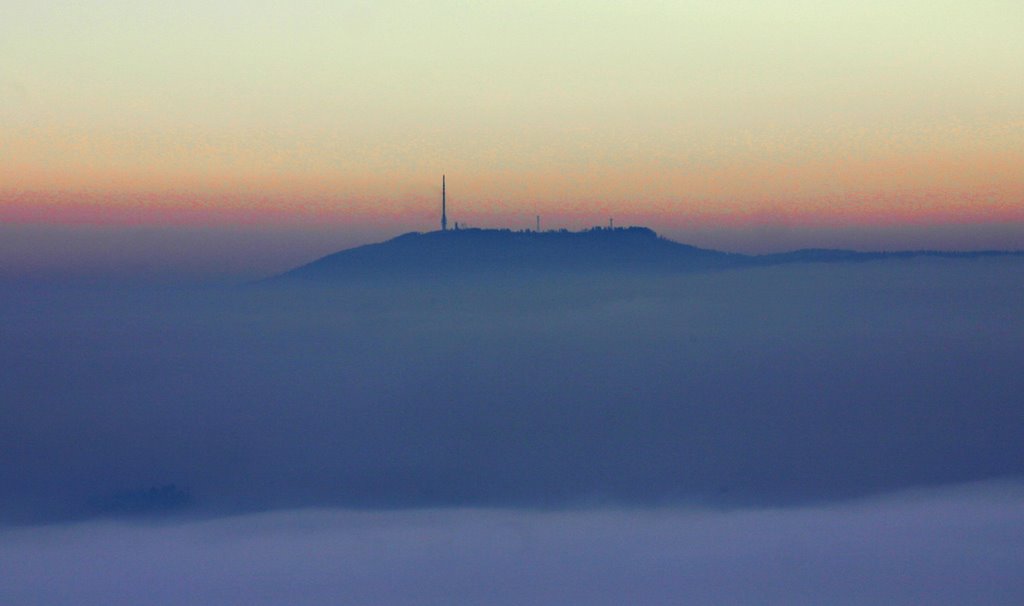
[589, 438]
[763, 386]
[511, 303]
[746, 126]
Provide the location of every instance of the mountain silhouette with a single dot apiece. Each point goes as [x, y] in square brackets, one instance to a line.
[463, 252]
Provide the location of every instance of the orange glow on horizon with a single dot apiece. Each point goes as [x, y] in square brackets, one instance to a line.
[886, 181]
[289, 210]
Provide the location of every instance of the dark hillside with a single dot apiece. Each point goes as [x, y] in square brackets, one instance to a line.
[505, 253]
[494, 251]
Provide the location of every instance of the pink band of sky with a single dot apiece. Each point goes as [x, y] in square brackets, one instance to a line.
[689, 116]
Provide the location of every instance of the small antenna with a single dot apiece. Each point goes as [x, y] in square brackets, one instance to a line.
[444, 210]
[538, 223]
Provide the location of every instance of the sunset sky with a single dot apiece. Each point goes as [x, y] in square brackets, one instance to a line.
[228, 369]
[723, 123]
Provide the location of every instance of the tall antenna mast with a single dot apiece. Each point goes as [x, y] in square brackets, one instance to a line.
[444, 203]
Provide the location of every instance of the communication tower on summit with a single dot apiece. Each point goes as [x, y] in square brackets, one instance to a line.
[444, 214]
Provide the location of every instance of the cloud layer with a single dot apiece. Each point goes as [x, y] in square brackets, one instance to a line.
[959, 546]
[765, 386]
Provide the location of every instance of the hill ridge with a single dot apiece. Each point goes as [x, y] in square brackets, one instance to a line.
[484, 251]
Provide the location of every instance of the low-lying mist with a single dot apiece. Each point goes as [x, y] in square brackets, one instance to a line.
[959, 545]
[770, 386]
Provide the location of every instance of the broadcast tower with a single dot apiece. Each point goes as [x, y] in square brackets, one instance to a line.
[444, 216]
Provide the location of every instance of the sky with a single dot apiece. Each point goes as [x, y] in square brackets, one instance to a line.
[804, 433]
[749, 126]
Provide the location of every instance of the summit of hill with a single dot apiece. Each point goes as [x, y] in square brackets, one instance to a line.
[476, 252]
[485, 251]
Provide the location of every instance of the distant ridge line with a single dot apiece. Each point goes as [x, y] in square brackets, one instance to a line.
[482, 251]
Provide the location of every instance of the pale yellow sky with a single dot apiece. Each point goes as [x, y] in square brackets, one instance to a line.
[726, 113]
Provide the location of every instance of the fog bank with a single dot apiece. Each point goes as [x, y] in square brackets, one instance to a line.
[771, 386]
[957, 546]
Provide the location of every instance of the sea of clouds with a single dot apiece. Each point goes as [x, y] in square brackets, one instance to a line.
[798, 434]
[960, 545]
